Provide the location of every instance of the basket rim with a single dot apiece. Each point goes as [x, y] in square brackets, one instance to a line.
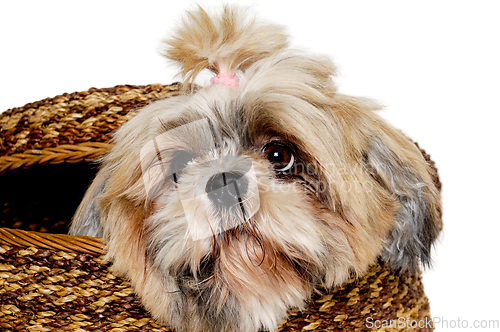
[62, 242]
[88, 151]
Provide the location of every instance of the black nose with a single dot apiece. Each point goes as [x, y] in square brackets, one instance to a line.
[226, 189]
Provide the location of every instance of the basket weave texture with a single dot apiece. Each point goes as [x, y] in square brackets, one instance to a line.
[71, 127]
[51, 281]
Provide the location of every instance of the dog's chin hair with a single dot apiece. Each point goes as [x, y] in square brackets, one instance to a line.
[252, 273]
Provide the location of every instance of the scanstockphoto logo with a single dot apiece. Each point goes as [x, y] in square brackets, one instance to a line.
[226, 184]
[404, 323]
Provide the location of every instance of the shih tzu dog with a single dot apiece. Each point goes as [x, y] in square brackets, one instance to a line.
[234, 202]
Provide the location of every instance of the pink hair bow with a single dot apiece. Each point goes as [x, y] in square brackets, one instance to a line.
[226, 79]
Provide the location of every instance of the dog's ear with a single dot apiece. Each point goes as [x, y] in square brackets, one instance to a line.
[87, 219]
[399, 167]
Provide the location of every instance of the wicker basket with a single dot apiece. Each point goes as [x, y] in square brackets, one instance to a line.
[50, 281]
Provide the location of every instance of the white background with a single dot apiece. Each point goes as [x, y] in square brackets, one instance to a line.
[433, 64]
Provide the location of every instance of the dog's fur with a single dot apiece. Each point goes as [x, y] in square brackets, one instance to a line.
[358, 189]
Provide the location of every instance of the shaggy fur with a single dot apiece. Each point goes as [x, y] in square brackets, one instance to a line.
[322, 186]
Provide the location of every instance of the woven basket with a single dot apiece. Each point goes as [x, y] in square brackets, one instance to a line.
[50, 281]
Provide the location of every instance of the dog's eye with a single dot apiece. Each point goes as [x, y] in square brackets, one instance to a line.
[178, 162]
[280, 156]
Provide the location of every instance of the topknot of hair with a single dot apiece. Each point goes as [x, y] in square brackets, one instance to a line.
[226, 43]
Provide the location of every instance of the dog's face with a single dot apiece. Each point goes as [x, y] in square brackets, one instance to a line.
[228, 205]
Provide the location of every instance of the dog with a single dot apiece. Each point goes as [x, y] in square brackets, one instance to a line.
[235, 201]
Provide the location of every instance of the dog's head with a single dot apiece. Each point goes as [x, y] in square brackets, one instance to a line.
[231, 203]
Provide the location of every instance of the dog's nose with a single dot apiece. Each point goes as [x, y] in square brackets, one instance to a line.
[226, 189]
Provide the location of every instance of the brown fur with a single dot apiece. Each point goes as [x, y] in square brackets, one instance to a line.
[359, 188]
[227, 43]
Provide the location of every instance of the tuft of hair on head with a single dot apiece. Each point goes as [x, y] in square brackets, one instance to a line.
[227, 43]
